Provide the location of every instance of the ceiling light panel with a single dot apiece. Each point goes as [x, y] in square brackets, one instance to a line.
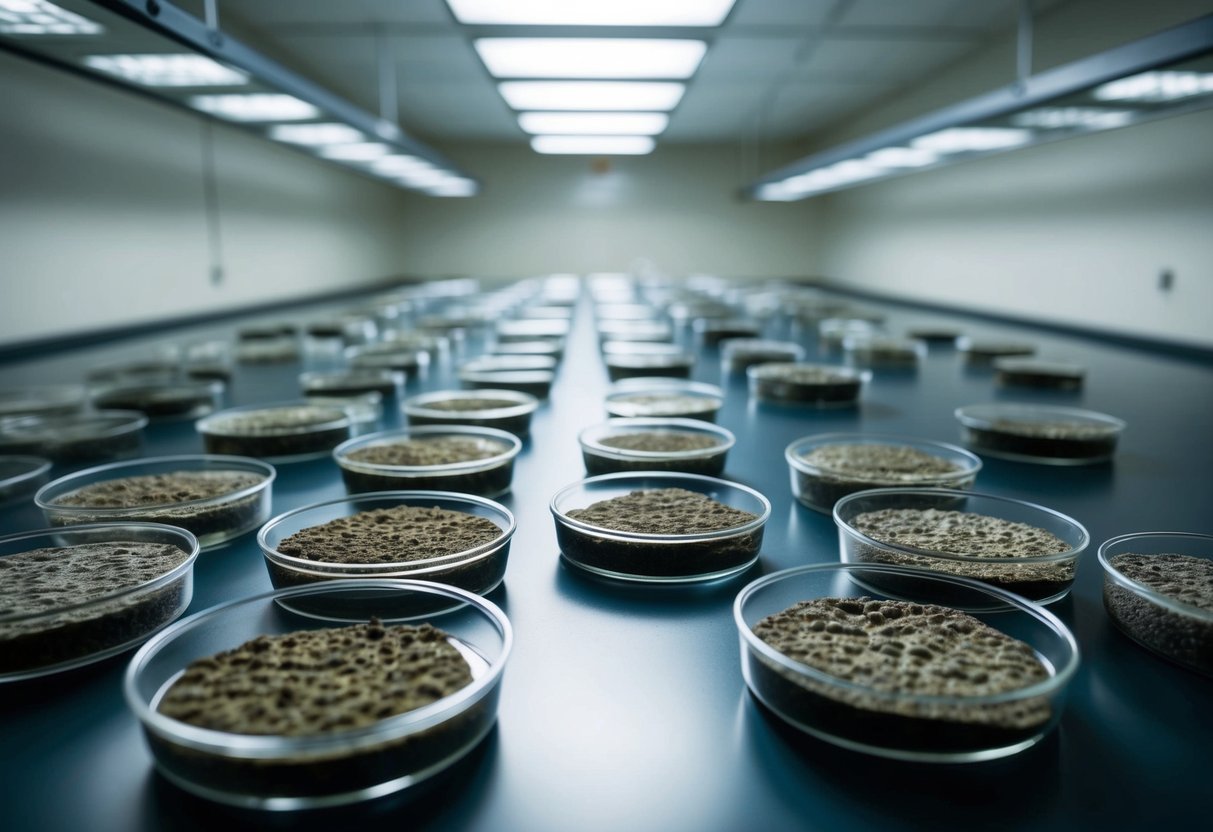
[581, 13]
[36, 18]
[316, 135]
[592, 95]
[1156, 87]
[357, 152]
[167, 70]
[973, 139]
[1062, 118]
[590, 57]
[593, 145]
[594, 124]
[255, 107]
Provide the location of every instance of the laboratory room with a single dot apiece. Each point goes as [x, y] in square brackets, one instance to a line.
[639, 415]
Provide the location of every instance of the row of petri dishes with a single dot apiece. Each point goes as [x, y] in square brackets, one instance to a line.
[808, 699]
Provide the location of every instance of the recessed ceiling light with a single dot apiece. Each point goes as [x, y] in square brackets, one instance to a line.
[590, 57]
[399, 164]
[1150, 87]
[36, 17]
[592, 95]
[970, 139]
[593, 145]
[1058, 118]
[902, 157]
[580, 13]
[167, 70]
[316, 135]
[454, 186]
[253, 107]
[357, 152]
[594, 124]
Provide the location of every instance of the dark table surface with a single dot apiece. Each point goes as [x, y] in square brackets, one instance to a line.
[623, 707]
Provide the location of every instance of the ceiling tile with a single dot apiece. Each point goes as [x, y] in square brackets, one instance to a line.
[982, 14]
[732, 59]
[438, 57]
[456, 111]
[779, 13]
[712, 112]
[902, 61]
[267, 14]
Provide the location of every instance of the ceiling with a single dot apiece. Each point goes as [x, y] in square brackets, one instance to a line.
[776, 69]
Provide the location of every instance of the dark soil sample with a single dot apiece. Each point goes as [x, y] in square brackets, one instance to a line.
[973, 536]
[393, 465]
[277, 431]
[663, 511]
[314, 683]
[1048, 375]
[510, 415]
[405, 361]
[438, 450]
[157, 401]
[657, 441]
[843, 469]
[470, 405]
[391, 535]
[1181, 637]
[209, 372]
[805, 384]
[674, 442]
[397, 537]
[36, 583]
[743, 353]
[351, 384]
[1079, 441]
[665, 404]
[551, 348]
[267, 332]
[984, 352]
[537, 383]
[900, 648]
[883, 352]
[75, 439]
[282, 350]
[159, 498]
[711, 333]
[646, 366]
[942, 336]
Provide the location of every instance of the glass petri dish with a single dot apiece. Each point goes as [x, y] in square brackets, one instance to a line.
[883, 715]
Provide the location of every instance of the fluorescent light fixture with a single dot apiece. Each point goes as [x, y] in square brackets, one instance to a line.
[902, 157]
[593, 145]
[972, 139]
[1163, 74]
[592, 95]
[255, 107]
[594, 124]
[454, 186]
[357, 152]
[316, 135]
[1060, 118]
[590, 57]
[36, 18]
[399, 164]
[177, 70]
[425, 178]
[582, 13]
[1156, 87]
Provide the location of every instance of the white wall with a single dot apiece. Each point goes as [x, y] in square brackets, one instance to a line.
[1074, 232]
[676, 209]
[102, 218]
